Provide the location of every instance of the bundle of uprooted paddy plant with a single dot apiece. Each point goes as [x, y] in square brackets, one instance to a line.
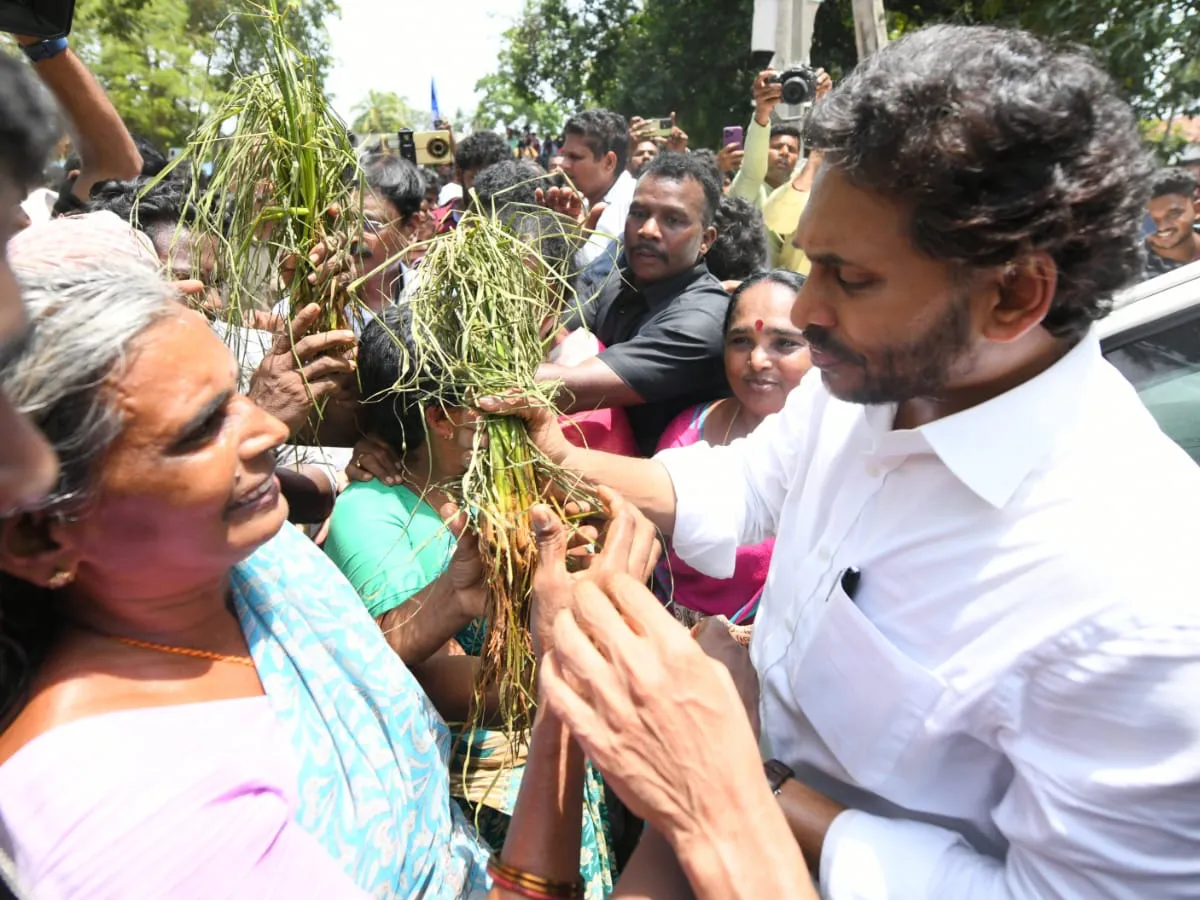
[280, 159]
[477, 319]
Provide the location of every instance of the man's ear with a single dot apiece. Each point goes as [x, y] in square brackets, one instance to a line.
[36, 547]
[610, 162]
[707, 240]
[1022, 297]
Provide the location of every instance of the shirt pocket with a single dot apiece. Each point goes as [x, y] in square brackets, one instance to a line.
[866, 699]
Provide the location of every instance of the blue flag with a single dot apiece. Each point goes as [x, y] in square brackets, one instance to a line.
[437, 113]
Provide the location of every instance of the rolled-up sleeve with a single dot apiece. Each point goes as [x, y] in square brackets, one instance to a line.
[731, 497]
[1105, 798]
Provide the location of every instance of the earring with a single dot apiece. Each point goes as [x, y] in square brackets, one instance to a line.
[60, 579]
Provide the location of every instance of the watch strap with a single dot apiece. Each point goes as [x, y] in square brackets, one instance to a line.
[44, 50]
[777, 774]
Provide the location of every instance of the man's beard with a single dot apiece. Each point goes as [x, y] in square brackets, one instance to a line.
[920, 368]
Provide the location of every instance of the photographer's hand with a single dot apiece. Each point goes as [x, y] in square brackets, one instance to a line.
[766, 97]
[678, 141]
[824, 85]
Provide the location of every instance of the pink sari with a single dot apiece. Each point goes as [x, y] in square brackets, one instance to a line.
[678, 583]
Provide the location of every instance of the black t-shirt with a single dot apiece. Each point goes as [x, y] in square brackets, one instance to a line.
[1158, 265]
[664, 340]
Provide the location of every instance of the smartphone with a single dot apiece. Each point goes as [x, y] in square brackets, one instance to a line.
[733, 134]
[662, 127]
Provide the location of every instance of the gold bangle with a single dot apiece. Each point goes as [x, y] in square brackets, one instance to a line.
[529, 885]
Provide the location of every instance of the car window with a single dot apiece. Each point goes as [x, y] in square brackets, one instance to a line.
[1164, 367]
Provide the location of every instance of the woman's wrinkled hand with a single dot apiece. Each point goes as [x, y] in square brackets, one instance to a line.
[465, 572]
[372, 459]
[565, 560]
[654, 713]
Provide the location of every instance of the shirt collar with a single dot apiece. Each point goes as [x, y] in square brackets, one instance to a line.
[991, 448]
[662, 292]
[624, 184]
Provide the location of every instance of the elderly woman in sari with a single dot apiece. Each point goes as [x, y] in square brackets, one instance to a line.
[236, 722]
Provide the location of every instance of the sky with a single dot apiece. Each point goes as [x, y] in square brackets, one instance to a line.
[396, 45]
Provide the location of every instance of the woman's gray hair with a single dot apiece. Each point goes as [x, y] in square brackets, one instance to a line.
[84, 316]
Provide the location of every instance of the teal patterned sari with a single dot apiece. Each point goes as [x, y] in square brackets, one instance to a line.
[374, 783]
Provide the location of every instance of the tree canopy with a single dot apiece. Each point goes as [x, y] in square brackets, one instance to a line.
[386, 112]
[652, 57]
[165, 62]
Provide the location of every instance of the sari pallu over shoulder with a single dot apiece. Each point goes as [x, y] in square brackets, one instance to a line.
[373, 752]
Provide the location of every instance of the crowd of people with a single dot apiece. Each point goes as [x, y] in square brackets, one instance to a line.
[891, 595]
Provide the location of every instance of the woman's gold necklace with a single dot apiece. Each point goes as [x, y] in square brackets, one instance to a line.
[184, 651]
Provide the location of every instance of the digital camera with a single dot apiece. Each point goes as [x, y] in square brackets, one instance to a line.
[799, 84]
[426, 148]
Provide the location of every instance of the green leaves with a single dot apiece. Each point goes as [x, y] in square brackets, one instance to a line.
[386, 112]
[167, 63]
[693, 57]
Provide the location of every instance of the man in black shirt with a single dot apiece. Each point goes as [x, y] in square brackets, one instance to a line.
[661, 316]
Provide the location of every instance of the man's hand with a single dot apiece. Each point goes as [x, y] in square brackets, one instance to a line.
[571, 204]
[295, 374]
[824, 84]
[716, 640]
[766, 96]
[729, 158]
[677, 142]
[541, 422]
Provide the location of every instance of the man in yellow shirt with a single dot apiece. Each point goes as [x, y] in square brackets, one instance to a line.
[768, 178]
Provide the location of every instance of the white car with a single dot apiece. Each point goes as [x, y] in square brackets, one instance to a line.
[1153, 337]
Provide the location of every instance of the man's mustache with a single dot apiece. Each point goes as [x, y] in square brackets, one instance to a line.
[645, 247]
[822, 341]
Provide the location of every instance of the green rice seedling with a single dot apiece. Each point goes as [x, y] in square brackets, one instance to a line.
[478, 317]
[283, 180]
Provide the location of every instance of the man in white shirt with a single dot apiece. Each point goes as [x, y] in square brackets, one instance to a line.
[978, 648]
[594, 153]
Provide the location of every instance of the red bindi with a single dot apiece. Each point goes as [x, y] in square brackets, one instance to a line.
[758, 324]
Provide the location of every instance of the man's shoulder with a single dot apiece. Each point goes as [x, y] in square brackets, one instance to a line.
[703, 291]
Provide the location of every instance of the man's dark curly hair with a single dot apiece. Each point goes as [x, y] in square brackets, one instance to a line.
[481, 149]
[603, 131]
[785, 131]
[1001, 145]
[741, 246]
[1173, 181]
[679, 167]
[510, 181]
[156, 211]
[29, 125]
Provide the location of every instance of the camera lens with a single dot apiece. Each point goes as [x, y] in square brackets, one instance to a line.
[795, 91]
[437, 147]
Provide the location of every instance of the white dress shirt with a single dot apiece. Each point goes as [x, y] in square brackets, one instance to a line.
[611, 224]
[1010, 703]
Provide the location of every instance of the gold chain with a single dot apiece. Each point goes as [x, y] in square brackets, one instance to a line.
[185, 651]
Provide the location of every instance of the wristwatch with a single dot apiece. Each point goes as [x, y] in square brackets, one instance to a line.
[44, 50]
[777, 775]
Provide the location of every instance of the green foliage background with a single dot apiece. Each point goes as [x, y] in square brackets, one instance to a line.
[691, 56]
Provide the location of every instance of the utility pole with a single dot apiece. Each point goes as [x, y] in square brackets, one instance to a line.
[870, 26]
[784, 29]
